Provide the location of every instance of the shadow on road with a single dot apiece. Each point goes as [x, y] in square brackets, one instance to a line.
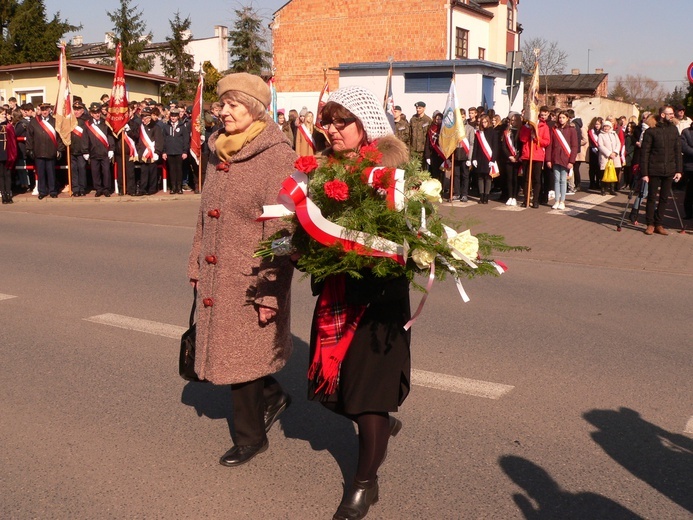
[551, 501]
[662, 459]
[304, 420]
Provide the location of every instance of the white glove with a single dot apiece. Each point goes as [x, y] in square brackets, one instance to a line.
[110, 154]
[468, 163]
[155, 157]
[127, 128]
[474, 163]
[86, 156]
[428, 161]
[202, 138]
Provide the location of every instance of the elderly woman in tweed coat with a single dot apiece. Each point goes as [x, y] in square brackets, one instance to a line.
[243, 322]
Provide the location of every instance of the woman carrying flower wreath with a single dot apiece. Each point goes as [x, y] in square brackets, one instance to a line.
[243, 322]
[359, 348]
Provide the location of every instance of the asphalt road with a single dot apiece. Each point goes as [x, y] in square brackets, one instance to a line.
[588, 334]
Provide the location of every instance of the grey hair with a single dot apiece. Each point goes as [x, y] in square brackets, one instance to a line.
[254, 106]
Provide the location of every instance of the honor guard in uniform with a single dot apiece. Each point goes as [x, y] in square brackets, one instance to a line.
[176, 149]
[100, 153]
[149, 147]
[79, 146]
[44, 145]
[25, 176]
[402, 128]
[131, 135]
[419, 130]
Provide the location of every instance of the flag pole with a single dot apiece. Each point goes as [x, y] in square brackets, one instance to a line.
[528, 191]
[122, 160]
[69, 171]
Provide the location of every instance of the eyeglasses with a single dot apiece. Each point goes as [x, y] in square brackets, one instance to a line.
[339, 123]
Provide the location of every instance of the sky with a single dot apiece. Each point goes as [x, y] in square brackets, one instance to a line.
[621, 36]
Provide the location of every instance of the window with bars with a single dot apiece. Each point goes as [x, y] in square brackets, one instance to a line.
[462, 44]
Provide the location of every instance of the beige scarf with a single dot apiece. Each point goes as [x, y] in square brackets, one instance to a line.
[229, 145]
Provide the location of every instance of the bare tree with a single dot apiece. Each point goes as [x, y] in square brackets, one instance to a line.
[552, 59]
[642, 90]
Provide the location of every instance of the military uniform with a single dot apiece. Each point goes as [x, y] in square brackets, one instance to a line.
[44, 144]
[149, 148]
[176, 146]
[79, 147]
[419, 125]
[101, 145]
[403, 130]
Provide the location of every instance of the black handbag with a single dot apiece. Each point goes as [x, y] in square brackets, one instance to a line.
[186, 360]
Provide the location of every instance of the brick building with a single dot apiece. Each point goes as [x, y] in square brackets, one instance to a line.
[427, 42]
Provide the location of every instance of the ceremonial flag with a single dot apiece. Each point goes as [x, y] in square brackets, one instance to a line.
[389, 103]
[118, 115]
[532, 102]
[452, 131]
[65, 120]
[322, 100]
[197, 122]
[273, 102]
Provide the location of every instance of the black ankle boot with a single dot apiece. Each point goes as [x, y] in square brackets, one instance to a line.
[355, 504]
[4, 198]
[9, 198]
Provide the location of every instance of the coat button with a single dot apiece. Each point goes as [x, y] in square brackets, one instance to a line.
[214, 213]
[211, 259]
[207, 302]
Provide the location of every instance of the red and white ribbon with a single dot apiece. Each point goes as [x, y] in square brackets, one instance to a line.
[294, 199]
[394, 193]
[98, 133]
[563, 142]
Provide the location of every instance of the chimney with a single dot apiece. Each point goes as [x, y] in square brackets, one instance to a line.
[575, 72]
[599, 71]
[77, 41]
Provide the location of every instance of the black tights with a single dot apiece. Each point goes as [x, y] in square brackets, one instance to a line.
[374, 434]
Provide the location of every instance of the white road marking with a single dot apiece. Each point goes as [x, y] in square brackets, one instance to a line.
[575, 207]
[689, 426]
[6, 297]
[139, 325]
[460, 385]
[510, 208]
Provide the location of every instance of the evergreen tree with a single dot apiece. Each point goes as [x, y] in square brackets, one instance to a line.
[177, 63]
[27, 35]
[130, 31]
[676, 97]
[248, 44]
[211, 78]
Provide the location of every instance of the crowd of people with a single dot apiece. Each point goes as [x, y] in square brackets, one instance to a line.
[155, 137]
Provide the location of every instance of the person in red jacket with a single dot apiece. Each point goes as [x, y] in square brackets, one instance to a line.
[560, 155]
[538, 139]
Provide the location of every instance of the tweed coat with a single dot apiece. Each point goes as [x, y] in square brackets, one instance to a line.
[231, 346]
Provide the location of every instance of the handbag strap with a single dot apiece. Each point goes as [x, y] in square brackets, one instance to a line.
[194, 305]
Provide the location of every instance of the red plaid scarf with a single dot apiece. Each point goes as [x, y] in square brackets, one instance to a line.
[336, 324]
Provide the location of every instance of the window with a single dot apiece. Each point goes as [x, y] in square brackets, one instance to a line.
[425, 82]
[511, 16]
[482, 53]
[462, 44]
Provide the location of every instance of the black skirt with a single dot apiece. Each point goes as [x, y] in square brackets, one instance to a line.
[375, 374]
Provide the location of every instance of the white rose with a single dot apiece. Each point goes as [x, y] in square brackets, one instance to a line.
[422, 258]
[431, 188]
[464, 243]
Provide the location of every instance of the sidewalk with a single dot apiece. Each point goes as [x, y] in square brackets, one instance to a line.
[585, 233]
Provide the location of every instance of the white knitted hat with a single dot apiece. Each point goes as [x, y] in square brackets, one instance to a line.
[364, 105]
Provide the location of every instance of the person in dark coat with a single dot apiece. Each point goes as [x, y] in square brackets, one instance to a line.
[150, 146]
[661, 164]
[176, 150]
[687, 149]
[79, 147]
[100, 153]
[25, 177]
[45, 146]
[485, 154]
[374, 376]
[8, 155]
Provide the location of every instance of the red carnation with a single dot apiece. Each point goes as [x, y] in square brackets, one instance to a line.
[382, 178]
[306, 164]
[337, 190]
[371, 153]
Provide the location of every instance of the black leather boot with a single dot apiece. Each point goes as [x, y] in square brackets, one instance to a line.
[4, 198]
[355, 504]
[9, 198]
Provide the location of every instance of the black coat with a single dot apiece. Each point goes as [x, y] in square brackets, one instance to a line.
[177, 142]
[687, 149]
[661, 151]
[153, 131]
[39, 141]
[97, 149]
[79, 140]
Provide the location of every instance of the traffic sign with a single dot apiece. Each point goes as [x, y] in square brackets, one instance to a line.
[689, 74]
